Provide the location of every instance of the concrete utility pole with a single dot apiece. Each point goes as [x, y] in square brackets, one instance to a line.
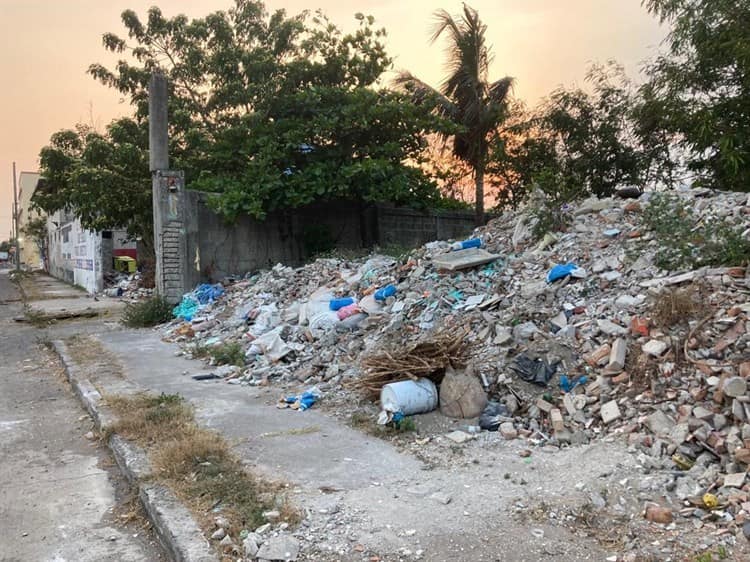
[15, 219]
[170, 244]
[158, 133]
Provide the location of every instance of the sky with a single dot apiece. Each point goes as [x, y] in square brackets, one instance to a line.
[49, 44]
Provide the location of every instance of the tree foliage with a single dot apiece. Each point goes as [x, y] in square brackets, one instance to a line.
[466, 96]
[701, 86]
[268, 111]
[103, 178]
[272, 112]
[575, 142]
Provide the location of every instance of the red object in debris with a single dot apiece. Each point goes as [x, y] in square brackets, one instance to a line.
[639, 326]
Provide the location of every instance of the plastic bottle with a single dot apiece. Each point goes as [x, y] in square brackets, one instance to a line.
[335, 304]
[470, 243]
[385, 292]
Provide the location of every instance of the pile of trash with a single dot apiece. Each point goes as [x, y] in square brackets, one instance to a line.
[567, 339]
[126, 285]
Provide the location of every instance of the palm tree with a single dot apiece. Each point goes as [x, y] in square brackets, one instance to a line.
[466, 97]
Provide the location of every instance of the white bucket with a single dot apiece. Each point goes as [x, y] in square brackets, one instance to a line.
[409, 397]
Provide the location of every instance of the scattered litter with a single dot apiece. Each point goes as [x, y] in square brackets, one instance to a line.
[536, 371]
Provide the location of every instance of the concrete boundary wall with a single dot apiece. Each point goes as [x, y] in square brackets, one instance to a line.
[215, 248]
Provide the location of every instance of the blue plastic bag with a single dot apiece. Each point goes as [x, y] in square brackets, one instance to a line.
[567, 385]
[336, 304]
[561, 271]
[385, 292]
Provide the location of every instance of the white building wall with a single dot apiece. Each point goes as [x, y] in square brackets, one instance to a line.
[75, 254]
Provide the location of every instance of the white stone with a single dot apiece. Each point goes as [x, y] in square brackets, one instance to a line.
[654, 347]
[441, 497]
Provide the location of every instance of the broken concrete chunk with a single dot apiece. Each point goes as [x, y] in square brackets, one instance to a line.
[543, 405]
[610, 328]
[735, 387]
[508, 431]
[702, 413]
[570, 405]
[463, 259]
[503, 336]
[282, 548]
[610, 412]
[459, 436]
[654, 347]
[617, 356]
[735, 480]
[660, 423]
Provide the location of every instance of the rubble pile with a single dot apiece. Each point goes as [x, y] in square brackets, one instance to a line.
[126, 285]
[573, 337]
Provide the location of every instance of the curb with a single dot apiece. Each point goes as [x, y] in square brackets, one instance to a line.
[178, 532]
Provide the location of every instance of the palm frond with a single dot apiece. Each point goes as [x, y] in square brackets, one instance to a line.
[499, 90]
[423, 93]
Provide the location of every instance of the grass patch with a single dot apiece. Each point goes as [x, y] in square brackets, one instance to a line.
[147, 313]
[222, 354]
[197, 464]
[35, 318]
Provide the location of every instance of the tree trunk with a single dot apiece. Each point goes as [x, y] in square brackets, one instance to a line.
[479, 195]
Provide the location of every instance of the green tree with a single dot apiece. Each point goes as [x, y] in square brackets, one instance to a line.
[703, 86]
[272, 112]
[575, 142]
[103, 178]
[321, 144]
[466, 96]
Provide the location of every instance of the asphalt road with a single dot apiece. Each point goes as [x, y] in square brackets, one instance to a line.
[61, 496]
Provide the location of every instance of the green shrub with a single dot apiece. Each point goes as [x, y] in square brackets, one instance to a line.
[147, 313]
[685, 242]
[222, 354]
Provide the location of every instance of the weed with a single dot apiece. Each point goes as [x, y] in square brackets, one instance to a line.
[147, 419]
[550, 217]
[686, 242]
[147, 313]
[365, 423]
[677, 305]
[396, 251]
[222, 354]
[405, 425]
[35, 318]
[196, 463]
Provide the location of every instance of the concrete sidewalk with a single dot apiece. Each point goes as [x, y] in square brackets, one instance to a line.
[308, 448]
[48, 298]
[360, 491]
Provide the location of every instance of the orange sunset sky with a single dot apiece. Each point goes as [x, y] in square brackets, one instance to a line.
[48, 45]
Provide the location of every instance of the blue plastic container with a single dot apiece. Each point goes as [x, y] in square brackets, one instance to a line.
[470, 243]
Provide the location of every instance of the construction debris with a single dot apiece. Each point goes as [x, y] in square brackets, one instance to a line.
[604, 346]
